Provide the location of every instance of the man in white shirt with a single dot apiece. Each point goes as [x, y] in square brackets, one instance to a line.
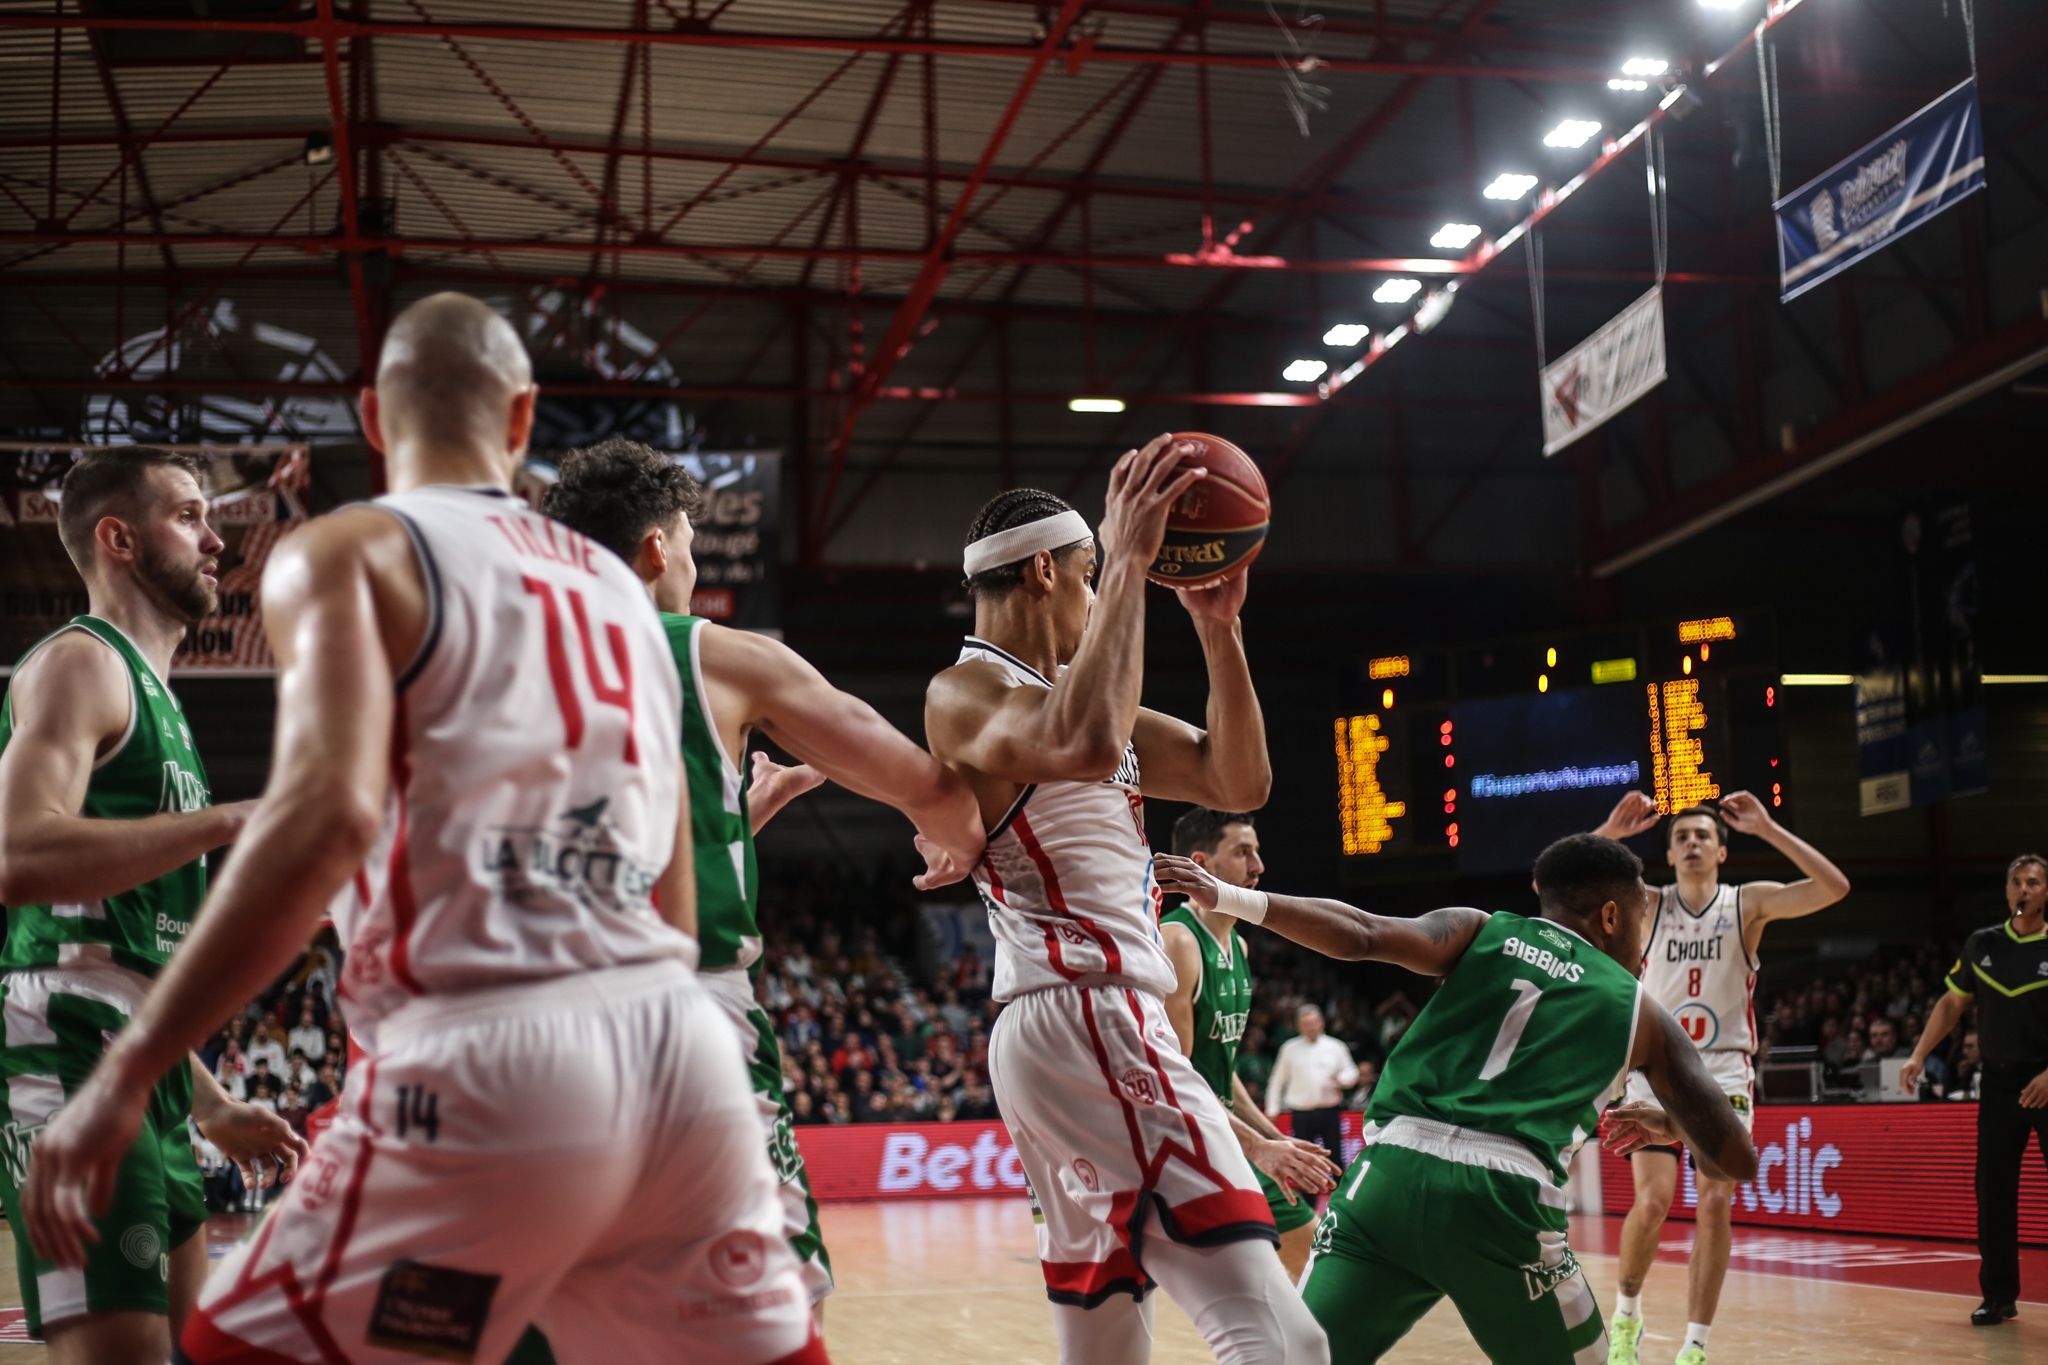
[1309, 1080]
[307, 1036]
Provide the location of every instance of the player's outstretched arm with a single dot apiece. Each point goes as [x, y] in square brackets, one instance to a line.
[342, 598]
[1823, 885]
[1225, 766]
[1430, 944]
[1694, 1109]
[69, 705]
[848, 741]
[1076, 731]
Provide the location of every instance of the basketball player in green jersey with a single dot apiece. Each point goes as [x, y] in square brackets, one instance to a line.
[104, 830]
[638, 503]
[1211, 1000]
[1460, 1188]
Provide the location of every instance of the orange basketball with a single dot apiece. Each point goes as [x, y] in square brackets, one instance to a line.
[1219, 525]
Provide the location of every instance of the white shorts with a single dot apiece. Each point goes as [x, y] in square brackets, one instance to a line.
[583, 1155]
[1733, 1071]
[1112, 1122]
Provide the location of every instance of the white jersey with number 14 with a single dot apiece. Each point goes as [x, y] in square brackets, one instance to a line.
[534, 771]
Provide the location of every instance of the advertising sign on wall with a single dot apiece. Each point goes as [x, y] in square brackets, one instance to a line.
[1903, 1170]
[1604, 373]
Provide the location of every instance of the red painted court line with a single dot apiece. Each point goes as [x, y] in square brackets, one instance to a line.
[1887, 1262]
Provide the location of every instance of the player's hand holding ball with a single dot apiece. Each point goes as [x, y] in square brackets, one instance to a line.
[1143, 488]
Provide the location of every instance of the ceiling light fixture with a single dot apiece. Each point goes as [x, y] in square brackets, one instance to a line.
[1346, 334]
[1573, 132]
[1396, 291]
[1509, 185]
[1645, 66]
[1455, 236]
[1619, 84]
[1095, 405]
[1305, 371]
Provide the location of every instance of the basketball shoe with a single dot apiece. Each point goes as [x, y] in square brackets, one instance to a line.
[1624, 1335]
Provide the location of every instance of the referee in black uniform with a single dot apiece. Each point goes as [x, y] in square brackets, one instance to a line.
[2005, 969]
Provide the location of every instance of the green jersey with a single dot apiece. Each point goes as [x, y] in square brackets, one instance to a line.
[1529, 1033]
[1223, 1001]
[153, 770]
[728, 882]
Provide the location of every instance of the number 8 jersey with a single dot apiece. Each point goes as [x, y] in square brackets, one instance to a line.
[1698, 967]
[1526, 1038]
[535, 766]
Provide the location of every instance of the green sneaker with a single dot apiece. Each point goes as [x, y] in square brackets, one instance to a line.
[1692, 1355]
[1623, 1336]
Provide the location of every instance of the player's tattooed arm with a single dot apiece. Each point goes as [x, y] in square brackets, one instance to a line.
[1430, 944]
[1694, 1109]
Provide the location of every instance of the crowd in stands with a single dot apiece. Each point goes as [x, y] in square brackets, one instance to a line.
[287, 1051]
[1871, 1012]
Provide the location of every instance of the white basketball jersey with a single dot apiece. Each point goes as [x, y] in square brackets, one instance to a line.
[1698, 967]
[535, 767]
[1067, 877]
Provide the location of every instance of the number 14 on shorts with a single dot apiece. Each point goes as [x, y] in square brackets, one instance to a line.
[419, 1109]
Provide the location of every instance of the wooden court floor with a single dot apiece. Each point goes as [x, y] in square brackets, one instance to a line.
[957, 1280]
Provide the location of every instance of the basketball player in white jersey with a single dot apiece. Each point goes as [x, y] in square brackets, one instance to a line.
[1138, 1179]
[1701, 965]
[476, 768]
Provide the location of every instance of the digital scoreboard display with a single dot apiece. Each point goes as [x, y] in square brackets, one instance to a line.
[1471, 759]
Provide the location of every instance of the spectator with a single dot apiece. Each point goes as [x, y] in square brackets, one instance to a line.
[1394, 1014]
[970, 974]
[803, 1112]
[864, 1099]
[232, 1070]
[267, 1044]
[1884, 1041]
[263, 1088]
[325, 1087]
[1309, 1080]
[952, 1011]
[307, 1036]
[292, 1109]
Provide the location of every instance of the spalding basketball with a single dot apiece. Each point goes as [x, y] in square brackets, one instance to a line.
[1218, 526]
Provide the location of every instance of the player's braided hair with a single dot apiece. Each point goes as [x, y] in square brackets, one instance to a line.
[617, 491]
[1582, 872]
[1011, 508]
[1201, 829]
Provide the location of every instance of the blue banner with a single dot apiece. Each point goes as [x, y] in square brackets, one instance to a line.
[1884, 191]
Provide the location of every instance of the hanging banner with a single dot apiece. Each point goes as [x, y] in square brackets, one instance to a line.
[256, 495]
[1604, 373]
[1884, 191]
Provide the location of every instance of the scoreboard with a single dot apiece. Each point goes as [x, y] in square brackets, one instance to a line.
[1471, 758]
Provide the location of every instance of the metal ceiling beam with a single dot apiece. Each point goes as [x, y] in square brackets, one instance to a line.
[351, 223]
[1968, 373]
[325, 26]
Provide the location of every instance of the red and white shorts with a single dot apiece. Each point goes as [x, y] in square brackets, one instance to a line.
[1110, 1122]
[582, 1154]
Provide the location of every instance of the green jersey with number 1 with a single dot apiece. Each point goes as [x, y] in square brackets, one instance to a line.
[1529, 1033]
[728, 883]
[1223, 1002]
[154, 770]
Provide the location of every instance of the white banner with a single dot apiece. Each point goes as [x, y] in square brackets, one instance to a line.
[1604, 373]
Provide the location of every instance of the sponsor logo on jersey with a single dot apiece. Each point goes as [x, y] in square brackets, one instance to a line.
[576, 855]
[1692, 949]
[1085, 1170]
[739, 1258]
[1701, 1024]
[1228, 1028]
[1137, 1083]
[175, 928]
[15, 1141]
[182, 792]
[1549, 935]
[1545, 961]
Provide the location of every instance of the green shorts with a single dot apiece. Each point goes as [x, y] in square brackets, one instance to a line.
[1286, 1217]
[1404, 1229]
[60, 1023]
[799, 1209]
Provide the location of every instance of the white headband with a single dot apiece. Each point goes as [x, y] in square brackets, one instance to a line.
[1021, 542]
